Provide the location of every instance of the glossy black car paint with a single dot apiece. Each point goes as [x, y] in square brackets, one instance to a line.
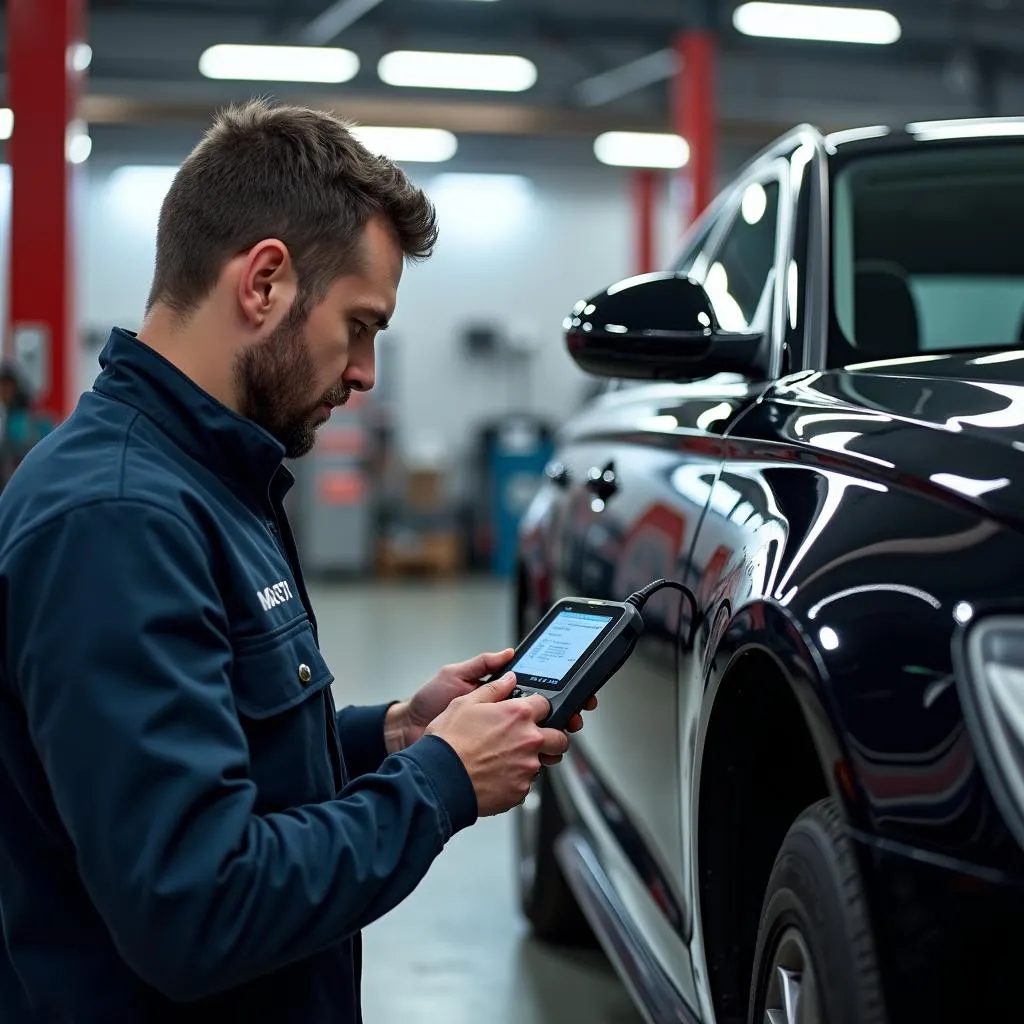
[836, 525]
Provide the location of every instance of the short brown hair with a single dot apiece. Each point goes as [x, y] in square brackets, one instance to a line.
[265, 171]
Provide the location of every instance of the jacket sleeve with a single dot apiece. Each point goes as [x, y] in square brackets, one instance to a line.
[117, 642]
[361, 731]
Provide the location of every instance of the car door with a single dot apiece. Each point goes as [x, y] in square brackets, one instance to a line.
[644, 461]
[740, 538]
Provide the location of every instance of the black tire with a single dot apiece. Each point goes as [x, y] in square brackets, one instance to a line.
[544, 895]
[815, 912]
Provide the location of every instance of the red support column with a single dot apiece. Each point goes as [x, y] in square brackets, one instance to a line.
[43, 91]
[644, 218]
[695, 117]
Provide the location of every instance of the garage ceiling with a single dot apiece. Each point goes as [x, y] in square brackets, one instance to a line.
[955, 58]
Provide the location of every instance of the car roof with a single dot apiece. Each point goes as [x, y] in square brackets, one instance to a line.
[858, 142]
[853, 143]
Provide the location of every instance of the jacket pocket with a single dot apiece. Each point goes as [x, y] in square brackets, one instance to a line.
[279, 683]
[276, 673]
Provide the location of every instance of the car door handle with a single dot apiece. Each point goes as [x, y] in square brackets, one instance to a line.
[558, 473]
[603, 482]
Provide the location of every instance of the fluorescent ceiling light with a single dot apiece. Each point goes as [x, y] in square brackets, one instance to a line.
[409, 145]
[80, 56]
[1002, 127]
[6, 123]
[825, 24]
[279, 63]
[77, 142]
[488, 72]
[642, 149]
[79, 149]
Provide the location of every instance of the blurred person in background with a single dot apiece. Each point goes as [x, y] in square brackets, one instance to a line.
[21, 427]
[189, 829]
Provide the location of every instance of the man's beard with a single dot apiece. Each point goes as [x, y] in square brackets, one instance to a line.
[275, 378]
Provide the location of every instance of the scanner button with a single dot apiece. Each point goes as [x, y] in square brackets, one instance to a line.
[517, 693]
[305, 674]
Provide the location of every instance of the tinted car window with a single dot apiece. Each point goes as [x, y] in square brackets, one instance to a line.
[741, 273]
[926, 252]
[693, 251]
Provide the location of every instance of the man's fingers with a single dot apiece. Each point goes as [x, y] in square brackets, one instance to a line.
[575, 723]
[494, 691]
[539, 706]
[554, 743]
[483, 664]
[495, 661]
[550, 761]
[591, 704]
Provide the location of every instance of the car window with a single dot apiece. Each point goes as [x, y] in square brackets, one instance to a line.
[696, 247]
[926, 253]
[740, 274]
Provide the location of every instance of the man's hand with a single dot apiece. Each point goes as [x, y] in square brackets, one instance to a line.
[500, 742]
[406, 722]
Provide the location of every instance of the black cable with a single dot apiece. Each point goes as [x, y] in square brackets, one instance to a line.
[642, 596]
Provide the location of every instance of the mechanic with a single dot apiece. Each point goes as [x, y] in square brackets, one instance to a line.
[188, 830]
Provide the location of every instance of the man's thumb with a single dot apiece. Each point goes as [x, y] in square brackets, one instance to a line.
[497, 689]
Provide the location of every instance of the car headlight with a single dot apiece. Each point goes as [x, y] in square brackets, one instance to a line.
[989, 661]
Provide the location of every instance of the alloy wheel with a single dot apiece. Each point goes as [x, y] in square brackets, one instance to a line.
[792, 995]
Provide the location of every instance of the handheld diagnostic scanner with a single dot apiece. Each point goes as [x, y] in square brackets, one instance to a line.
[577, 646]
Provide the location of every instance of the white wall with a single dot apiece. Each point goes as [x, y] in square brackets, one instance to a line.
[520, 260]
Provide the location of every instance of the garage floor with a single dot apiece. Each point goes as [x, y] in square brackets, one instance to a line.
[457, 950]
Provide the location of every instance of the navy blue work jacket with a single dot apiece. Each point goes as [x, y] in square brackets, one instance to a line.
[188, 829]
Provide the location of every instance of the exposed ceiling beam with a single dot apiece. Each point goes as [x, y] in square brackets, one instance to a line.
[159, 103]
[326, 27]
[627, 78]
[749, 122]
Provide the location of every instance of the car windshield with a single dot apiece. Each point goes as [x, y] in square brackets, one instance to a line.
[928, 252]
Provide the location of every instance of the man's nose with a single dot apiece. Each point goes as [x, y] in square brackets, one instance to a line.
[360, 376]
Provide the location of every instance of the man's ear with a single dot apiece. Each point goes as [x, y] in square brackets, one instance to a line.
[267, 284]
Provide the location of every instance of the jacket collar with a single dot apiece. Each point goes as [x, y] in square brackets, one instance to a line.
[214, 435]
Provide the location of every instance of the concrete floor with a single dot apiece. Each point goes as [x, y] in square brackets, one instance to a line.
[457, 951]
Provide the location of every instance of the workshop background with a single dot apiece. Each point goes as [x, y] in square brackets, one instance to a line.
[573, 151]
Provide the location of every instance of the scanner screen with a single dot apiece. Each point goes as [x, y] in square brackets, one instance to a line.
[550, 658]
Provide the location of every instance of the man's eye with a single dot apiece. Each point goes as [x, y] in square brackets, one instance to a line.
[359, 328]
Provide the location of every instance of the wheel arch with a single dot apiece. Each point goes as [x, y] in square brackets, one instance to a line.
[766, 749]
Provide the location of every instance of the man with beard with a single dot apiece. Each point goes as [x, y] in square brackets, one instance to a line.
[189, 830]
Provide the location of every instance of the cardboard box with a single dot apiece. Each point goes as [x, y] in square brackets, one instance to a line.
[438, 553]
[425, 489]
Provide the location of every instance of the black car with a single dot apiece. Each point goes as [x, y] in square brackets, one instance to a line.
[803, 799]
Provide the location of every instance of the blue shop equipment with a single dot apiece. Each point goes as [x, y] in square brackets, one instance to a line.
[514, 451]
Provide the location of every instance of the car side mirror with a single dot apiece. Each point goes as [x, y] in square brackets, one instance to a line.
[657, 327]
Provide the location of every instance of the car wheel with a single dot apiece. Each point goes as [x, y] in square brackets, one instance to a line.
[815, 960]
[544, 894]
